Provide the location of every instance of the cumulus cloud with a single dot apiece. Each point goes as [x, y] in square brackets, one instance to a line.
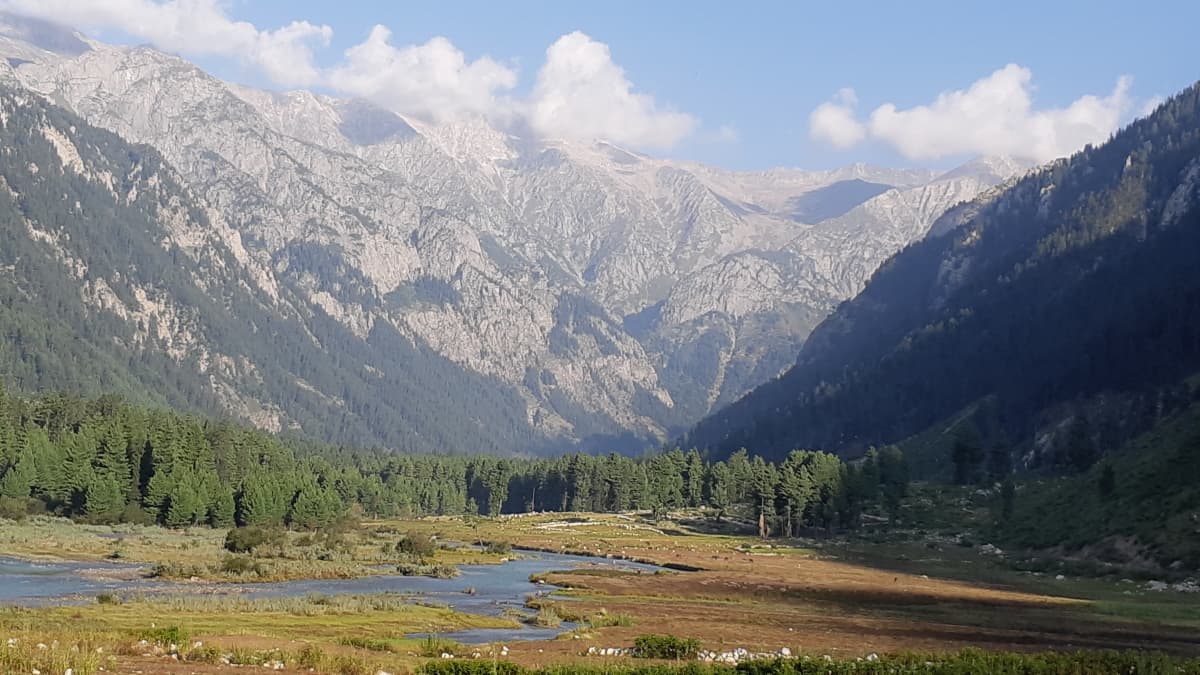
[834, 121]
[434, 80]
[198, 27]
[581, 93]
[994, 116]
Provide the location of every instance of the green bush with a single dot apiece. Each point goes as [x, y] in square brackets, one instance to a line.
[246, 539]
[500, 547]
[433, 647]
[166, 635]
[417, 546]
[665, 647]
[240, 564]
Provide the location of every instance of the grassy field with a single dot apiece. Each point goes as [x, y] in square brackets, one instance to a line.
[199, 554]
[841, 599]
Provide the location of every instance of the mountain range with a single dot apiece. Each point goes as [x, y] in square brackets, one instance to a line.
[360, 276]
[1058, 317]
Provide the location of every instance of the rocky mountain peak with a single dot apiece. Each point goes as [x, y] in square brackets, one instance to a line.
[615, 295]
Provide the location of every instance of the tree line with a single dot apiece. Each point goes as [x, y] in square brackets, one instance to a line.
[105, 460]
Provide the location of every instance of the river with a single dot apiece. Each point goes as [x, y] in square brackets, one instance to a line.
[496, 587]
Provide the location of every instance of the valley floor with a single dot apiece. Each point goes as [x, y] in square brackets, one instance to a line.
[729, 591]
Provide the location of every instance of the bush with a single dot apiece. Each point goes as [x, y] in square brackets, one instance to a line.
[15, 508]
[246, 539]
[665, 647]
[167, 635]
[136, 515]
[416, 545]
[420, 570]
[108, 599]
[432, 647]
[240, 564]
[500, 547]
[546, 618]
[310, 656]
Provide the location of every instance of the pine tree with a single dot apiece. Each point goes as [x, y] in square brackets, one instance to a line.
[104, 499]
[185, 506]
[17, 481]
[222, 511]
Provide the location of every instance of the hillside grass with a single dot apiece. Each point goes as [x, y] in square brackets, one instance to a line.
[1150, 518]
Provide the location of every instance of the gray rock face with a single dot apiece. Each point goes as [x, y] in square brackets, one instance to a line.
[618, 293]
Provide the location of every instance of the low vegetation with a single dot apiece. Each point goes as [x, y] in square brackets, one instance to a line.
[665, 647]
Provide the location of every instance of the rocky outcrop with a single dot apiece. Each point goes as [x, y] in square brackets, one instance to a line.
[618, 294]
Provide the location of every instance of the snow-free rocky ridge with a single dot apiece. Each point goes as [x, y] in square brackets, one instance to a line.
[619, 297]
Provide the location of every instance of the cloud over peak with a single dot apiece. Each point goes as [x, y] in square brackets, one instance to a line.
[580, 92]
[994, 116]
[433, 80]
[198, 27]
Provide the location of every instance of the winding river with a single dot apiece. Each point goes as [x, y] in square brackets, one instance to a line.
[496, 587]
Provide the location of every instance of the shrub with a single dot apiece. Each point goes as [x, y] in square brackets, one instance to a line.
[166, 635]
[433, 646]
[546, 618]
[246, 539]
[665, 647]
[500, 547]
[14, 508]
[417, 545]
[351, 665]
[240, 564]
[108, 599]
[310, 656]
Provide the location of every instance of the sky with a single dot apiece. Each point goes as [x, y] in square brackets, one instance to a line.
[746, 86]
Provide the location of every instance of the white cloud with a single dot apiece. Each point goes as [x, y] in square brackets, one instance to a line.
[581, 93]
[433, 80]
[198, 27]
[834, 122]
[994, 116]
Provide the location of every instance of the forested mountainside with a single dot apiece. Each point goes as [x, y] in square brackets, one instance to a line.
[115, 277]
[103, 460]
[1137, 506]
[1075, 287]
[610, 298]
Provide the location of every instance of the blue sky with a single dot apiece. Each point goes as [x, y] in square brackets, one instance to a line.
[748, 76]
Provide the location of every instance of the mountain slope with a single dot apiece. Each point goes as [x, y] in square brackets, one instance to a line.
[1077, 280]
[617, 297]
[1136, 507]
[114, 277]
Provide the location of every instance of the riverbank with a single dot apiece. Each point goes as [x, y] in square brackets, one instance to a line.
[812, 598]
[199, 554]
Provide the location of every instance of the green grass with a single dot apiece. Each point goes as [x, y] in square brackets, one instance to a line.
[1151, 517]
[968, 662]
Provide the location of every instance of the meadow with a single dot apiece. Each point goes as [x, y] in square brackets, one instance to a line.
[837, 605]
